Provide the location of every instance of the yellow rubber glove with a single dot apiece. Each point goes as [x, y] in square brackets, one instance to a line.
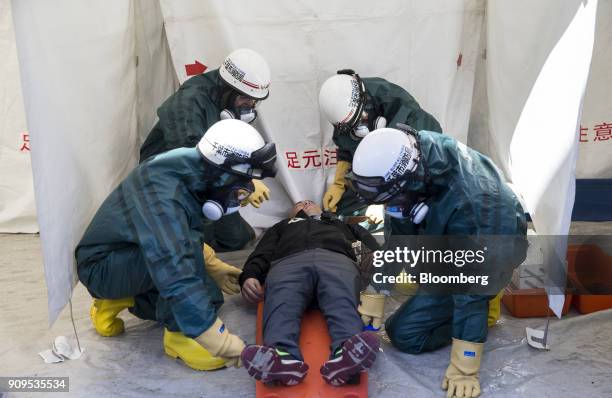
[461, 378]
[495, 309]
[405, 288]
[224, 274]
[220, 343]
[372, 309]
[336, 190]
[261, 193]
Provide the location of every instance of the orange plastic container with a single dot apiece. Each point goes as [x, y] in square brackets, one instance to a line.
[314, 344]
[590, 269]
[530, 303]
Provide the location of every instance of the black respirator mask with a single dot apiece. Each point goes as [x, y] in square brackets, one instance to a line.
[247, 114]
[226, 200]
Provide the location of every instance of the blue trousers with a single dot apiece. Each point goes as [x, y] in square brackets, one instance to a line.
[428, 322]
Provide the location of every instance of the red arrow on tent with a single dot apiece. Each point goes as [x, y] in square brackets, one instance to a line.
[195, 68]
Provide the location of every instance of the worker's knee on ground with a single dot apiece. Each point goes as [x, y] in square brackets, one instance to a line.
[408, 343]
[405, 340]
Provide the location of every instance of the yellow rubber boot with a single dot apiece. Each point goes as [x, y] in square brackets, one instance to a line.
[104, 312]
[495, 309]
[177, 345]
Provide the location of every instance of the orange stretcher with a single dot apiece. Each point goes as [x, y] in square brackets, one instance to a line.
[314, 344]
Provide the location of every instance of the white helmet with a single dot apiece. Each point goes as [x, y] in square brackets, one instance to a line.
[238, 148]
[247, 72]
[341, 99]
[383, 162]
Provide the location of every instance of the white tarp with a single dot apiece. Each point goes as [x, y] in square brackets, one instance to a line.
[135, 365]
[87, 70]
[417, 45]
[17, 210]
[594, 158]
[550, 120]
[545, 71]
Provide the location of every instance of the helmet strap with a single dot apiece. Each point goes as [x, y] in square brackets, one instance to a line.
[228, 97]
[351, 124]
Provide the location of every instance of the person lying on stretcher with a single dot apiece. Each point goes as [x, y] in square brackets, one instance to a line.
[307, 259]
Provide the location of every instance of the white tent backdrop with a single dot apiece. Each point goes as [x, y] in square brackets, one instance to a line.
[17, 209]
[93, 74]
[548, 76]
[307, 42]
[544, 72]
[594, 160]
[528, 56]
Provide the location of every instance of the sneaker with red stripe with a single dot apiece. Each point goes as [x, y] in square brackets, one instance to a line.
[271, 365]
[358, 353]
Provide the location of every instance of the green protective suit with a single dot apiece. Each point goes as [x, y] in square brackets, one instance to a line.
[183, 119]
[145, 241]
[397, 106]
[467, 196]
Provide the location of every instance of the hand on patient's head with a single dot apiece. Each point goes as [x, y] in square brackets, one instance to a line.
[307, 206]
[252, 291]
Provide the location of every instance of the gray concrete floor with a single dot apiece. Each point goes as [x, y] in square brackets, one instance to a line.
[134, 364]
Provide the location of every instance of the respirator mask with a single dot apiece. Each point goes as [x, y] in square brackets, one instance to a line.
[365, 127]
[226, 200]
[405, 207]
[244, 111]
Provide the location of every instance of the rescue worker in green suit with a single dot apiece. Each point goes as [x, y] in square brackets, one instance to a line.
[230, 92]
[143, 249]
[437, 186]
[356, 106]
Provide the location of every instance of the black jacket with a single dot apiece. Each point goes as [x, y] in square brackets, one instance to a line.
[293, 235]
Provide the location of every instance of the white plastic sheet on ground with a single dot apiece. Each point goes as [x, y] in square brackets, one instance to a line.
[82, 91]
[135, 365]
[17, 211]
[429, 48]
[545, 71]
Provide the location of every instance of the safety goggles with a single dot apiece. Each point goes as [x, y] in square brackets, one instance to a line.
[245, 101]
[262, 162]
[374, 190]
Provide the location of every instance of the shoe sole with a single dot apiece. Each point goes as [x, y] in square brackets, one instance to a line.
[359, 353]
[264, 364]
